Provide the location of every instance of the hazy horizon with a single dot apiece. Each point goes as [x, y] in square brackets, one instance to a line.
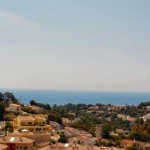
[69, 90]
[75, 45]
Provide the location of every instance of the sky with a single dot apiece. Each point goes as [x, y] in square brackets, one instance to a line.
[93, 45]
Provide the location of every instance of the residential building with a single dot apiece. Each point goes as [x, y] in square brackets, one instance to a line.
[13, 107]
[84, 140]
[148, 108]
[18, 143]
[32, 123]
[146, 117]
[76, 147]
[4, 147]
[142, 145]
[66, 121]
[125, 143]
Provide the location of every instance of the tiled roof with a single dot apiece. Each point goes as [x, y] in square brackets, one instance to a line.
[9, 139]
[3, 146]
[77, 147]
[26, 118]
[14, 105]
[128, 141]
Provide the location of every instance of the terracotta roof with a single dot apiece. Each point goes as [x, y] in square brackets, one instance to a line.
[9, 139]
[78, 147]
[3, 146]
[14, 104]
[39, 117]
[128, 141]
[82, 138]
[26, 118]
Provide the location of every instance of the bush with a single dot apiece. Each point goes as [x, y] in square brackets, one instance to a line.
[52, 141]
[62, 138]
[8, 127]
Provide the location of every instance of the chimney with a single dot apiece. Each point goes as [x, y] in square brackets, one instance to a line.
[56, 144]
[4, 138]
[21, 139]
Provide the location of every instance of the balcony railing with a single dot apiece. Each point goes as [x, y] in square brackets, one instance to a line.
[35, 124]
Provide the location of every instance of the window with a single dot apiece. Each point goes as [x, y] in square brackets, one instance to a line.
[23, 123]
[29, 123]
[25, 147]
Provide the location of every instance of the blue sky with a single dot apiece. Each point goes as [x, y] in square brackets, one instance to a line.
[75, 44]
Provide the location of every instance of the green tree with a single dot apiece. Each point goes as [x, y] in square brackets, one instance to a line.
[8, 127]
[1, 97]
[47, 107]
[62, 138]
[11, 97]
[139, 121]
[106, 131]
[32, 102]
[52, 141]
[2, 111]
[132, 147]
[55, 117]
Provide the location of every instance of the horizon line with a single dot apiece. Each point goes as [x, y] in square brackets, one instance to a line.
[75, 90]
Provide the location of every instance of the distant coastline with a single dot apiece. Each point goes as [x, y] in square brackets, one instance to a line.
[88, 97]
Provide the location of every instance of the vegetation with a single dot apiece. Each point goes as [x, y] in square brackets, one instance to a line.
[2, 111]
[44, 106]
[52, 141]
[16, 113]
[55, 117]
[143, 104]
[86, 117]
[8, 127]
[132, 147]
[106, 131]
[62, 138]
[1, 97]
[141, 132]
[10, 96]
[29, 110]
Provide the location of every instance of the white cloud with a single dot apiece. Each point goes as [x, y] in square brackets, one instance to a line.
[16, 19]
[16, 28]
[34, 56]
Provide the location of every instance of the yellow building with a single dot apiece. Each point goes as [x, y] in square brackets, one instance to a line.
[31, 123]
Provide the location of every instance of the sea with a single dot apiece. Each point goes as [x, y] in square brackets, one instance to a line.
[52, 97]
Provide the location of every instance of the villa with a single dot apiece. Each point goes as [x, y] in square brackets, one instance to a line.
[17, 143]
[32, 123]
[14, 107]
